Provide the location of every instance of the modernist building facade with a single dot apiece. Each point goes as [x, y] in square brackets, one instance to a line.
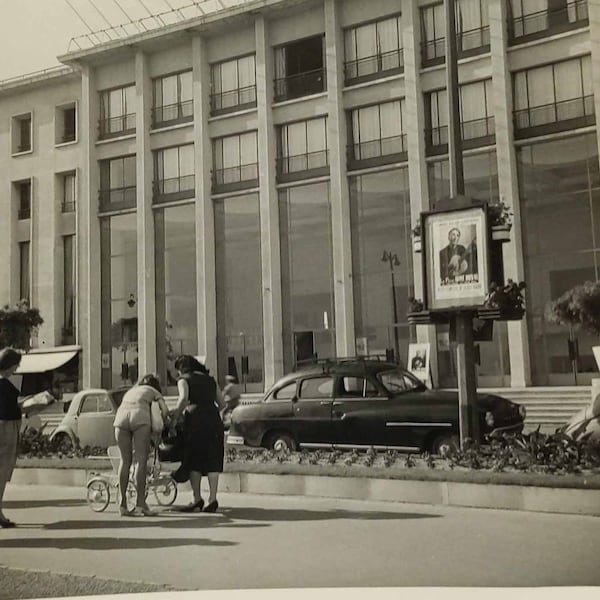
[245, 184]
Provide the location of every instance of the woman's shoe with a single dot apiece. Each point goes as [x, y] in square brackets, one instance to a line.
[194, 506]
[143, 511]
[7, 523]
[125, 512]
[211, 507]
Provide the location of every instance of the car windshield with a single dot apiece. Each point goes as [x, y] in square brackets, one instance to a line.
[398, 381]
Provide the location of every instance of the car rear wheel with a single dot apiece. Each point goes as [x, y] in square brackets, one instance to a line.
[64, 442]
[280, 441]
[445, 444]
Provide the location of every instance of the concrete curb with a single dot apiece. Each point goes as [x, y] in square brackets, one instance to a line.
[445, 493]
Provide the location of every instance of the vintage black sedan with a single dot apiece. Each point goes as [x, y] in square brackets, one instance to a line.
[361, 403]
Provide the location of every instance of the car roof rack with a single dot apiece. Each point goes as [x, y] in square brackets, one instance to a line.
[329, 364]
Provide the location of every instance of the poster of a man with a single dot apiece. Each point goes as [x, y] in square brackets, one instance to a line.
[452, 257]
[456, 257]
[418, 361]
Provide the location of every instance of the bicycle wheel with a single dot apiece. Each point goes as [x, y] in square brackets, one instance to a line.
[130, 497]
[165, 491]
[98, 494]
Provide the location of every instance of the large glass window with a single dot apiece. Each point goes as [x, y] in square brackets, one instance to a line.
[235, 161]
[307, 274]
[233, 84]
[173, 101]
[176, 305]
[118, 182]
[174, 173]
[377, 132]
[117, 111]
[23, 191]
[554, 97]
[239, 290]
[381, 261]
[559, 185]
[302, 148]
[69, 271]
[119, 300]
[373, 49]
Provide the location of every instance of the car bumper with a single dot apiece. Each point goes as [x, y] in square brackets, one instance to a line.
[514, 428]
[235, 440]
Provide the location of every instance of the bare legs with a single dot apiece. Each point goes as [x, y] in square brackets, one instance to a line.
[2, 488]
[195, 480]
[213, 486]
[136, 443]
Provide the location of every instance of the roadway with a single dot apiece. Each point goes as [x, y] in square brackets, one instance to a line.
[281, 542]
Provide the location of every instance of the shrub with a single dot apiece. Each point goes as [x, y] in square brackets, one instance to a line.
[17, 323]
[578, 307]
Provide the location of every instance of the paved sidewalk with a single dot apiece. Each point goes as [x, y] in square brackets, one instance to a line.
[278, 542]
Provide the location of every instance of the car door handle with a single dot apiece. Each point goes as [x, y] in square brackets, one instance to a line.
[337, 403]
[324, 403]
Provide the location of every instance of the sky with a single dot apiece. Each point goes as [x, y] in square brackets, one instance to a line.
[34, 32]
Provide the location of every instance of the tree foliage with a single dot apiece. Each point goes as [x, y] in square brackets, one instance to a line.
[17, 323]
[578, 307]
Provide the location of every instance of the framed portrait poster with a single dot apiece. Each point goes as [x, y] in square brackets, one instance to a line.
[455, 257]
[418, 361]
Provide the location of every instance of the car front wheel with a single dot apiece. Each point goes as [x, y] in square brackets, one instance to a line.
[445, 444]
[281, 441]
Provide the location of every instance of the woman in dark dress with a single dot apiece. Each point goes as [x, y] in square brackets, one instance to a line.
[10, 423]
[200, 401]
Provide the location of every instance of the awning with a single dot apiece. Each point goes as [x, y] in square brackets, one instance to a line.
[38, 361]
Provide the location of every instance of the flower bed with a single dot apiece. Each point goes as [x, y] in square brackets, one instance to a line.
[533, 459]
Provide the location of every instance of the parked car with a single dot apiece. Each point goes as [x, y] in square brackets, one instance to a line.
[89, 420]
[585, 424]
[362, 403]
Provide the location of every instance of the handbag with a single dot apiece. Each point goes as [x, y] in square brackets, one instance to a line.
[156, 418]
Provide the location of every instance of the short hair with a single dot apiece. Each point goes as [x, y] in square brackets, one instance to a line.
[9, 357]
[152, 380]
[454, 229]
[186, 363]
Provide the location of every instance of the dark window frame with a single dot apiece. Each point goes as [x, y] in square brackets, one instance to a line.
[218, 175]
[216, 96]
[185, 184]
[303, 83]
[68, 206]
[104, 132]
[184, 108]
[285, 175]
[380, 71]
[382, 158]
[128, 193]
[587, 118]
[555, 22]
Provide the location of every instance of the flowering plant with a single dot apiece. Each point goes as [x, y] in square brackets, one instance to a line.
[578, 307]
[499, 213]
[509, 295]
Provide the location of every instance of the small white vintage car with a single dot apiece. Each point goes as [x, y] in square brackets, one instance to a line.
[89, 419]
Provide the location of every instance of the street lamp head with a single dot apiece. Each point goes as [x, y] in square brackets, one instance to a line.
[396, 261]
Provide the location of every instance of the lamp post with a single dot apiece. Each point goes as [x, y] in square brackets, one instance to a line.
[393, 261]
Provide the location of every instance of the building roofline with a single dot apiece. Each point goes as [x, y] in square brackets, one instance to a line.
[188, 25]
[28, 79]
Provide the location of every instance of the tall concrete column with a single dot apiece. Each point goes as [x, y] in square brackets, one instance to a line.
[414, 123]
[269, 209]
[146, 273]
[205, 229]
[46, 258]
[594, 14]
[520, 368]
[88, 238]
[339, 194]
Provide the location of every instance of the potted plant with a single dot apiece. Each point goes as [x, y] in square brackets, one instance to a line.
[500, 220]
[504, 302]
[416, 233]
